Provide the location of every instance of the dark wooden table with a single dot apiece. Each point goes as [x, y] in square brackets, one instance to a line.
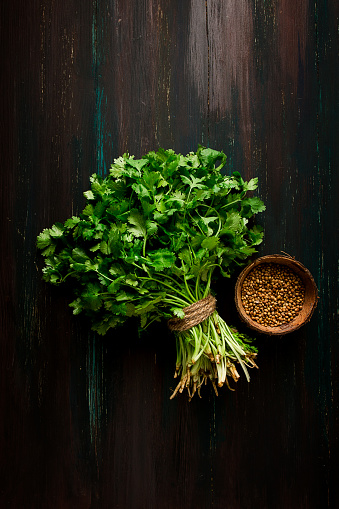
[86, 422]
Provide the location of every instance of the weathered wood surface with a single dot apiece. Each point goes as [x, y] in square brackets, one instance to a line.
[87, 422]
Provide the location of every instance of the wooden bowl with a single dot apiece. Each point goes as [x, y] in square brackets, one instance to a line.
[308, 306]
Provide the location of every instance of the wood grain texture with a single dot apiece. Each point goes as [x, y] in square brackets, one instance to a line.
[87, 422]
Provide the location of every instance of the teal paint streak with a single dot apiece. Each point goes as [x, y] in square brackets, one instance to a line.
[94, 353]
[98, 59]
[94, 391]
[99, 126]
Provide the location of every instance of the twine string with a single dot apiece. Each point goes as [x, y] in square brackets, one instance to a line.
[194, 314]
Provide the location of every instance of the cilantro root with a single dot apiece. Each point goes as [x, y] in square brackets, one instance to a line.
[210, 352]
[207, 349]
[154, 236]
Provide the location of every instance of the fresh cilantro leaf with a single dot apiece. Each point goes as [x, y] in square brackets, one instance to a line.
[141, 191]
[49, 250]
[210, 243]
[89, 195]
[256, 205]
[251, 185]
[256, 235]
[136, 163]
[99, 209]
[77, 306]
[139, 224]
[57, 230]
[178, 312]
[151, 227]
[251, 206]
[79, 255]
[161, 259]
[96, 247]
[44, 239]
[233, 223]
[72, 222]
[91, 297]
[193, 182]
[209, 157]
[88, 210]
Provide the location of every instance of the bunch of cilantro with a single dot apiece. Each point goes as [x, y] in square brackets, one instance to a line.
[153, 236]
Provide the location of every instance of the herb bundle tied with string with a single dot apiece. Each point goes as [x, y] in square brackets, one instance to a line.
[153, 237]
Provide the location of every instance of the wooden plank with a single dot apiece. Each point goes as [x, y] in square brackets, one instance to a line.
[277, 95]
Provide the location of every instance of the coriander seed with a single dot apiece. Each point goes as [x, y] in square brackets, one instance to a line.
[276, 296]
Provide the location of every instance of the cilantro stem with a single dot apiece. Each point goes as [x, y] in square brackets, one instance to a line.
[171, 299]
[230, 203]
[175, 290]
[197, 287]
[186, 285]
[208, 285]
[103, 275]
[197, 355]
[62, 279]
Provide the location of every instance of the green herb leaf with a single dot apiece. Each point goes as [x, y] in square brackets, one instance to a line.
[89, 195]
[44, 239]
[161, 259]
[56, 231]
[139, 224]
[72, 222]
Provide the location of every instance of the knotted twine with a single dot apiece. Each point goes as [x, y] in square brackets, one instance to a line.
[194, 314]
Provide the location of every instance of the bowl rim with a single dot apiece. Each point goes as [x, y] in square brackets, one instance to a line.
[301, 271]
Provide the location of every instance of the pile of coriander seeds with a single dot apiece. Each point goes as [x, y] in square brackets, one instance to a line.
[272, 294]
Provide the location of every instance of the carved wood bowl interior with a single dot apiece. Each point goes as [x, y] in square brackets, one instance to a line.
[308, 306]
